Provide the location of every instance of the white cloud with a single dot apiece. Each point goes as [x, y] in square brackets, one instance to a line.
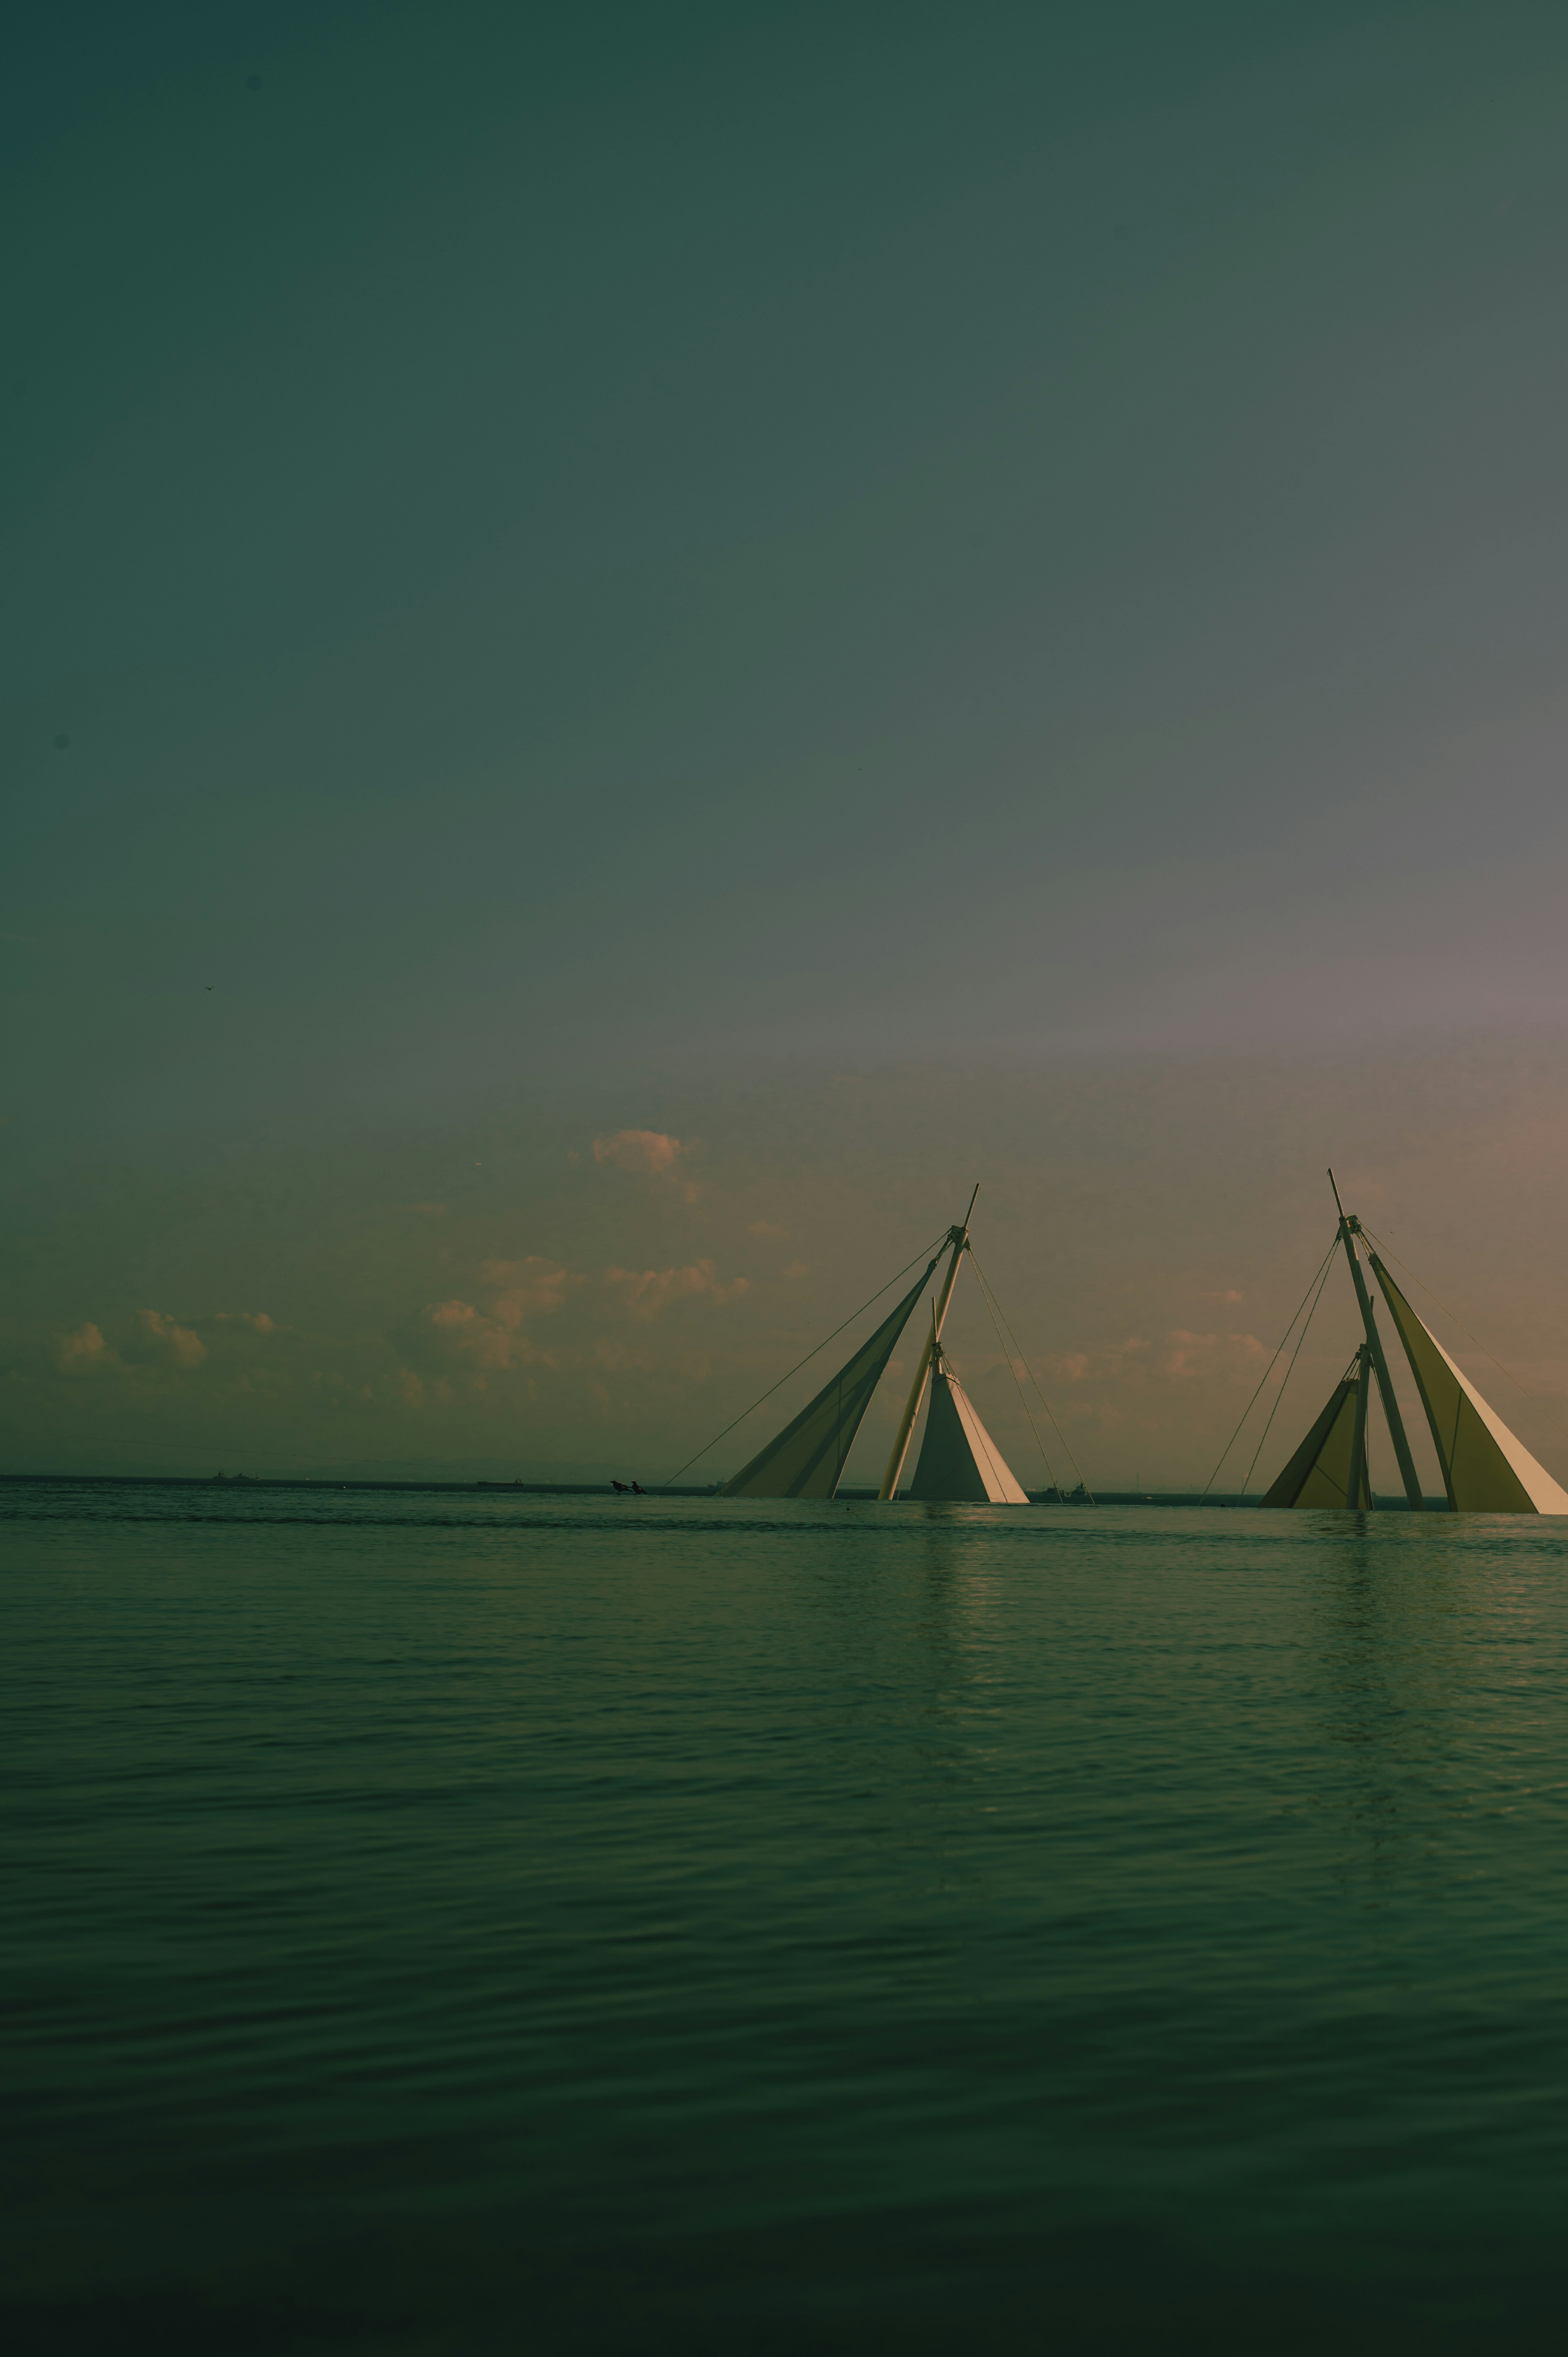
[650, 1151]
[1195, 1355]
[188, 1350]
[457, 1330]
[528, 1285]
[648, 1291]
[458, 1336]
[85, 1351]
[639, 1149]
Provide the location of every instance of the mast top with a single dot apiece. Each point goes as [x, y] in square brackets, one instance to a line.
[1349, 1225]
[960, 1236]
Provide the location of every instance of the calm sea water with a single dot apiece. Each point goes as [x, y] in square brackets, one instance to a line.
[445, 1923]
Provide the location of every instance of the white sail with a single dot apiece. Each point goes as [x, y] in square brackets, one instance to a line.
[1320, 1474]
[1487, 1469]
[805, 1460]
[959, 1459]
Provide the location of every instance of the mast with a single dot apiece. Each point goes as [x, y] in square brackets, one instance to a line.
[1360, 1484]
[1349, 1229]
[959, 1239]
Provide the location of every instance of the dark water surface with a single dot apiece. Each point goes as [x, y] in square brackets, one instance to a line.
[443, 1924]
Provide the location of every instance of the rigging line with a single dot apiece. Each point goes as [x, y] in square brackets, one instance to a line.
[1289, 1372]
[986, 1288]
[1481, 1346]
[811, 1354]
[984, 1294]
[1268, 1371]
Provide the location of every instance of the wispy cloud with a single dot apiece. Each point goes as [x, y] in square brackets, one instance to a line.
[639, 1149]
[458, 1332]
[186, 1345]
[1205, 1354]
[459, 1339]
[83, 1351]
[526, 1286]
[648, 1291]
[649, 1151]
[769, 1231]
[256, 1319]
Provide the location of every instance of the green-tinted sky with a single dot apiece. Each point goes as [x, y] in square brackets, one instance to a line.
[583, 574]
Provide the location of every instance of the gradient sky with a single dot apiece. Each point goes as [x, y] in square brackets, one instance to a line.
[897, 596]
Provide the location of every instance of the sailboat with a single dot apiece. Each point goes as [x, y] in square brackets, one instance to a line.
[959, 1460]
[1487, 1469]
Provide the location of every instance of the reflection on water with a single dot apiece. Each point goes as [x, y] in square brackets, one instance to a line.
[447, 1924]
[1408, 1616]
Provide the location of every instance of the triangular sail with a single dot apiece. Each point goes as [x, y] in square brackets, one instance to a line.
[959, 1459]
[1320, 1474]
[807, 1458]
[1486, 1470]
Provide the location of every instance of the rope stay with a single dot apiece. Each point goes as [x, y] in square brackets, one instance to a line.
[1316, 1281]
[997, 1312]
[1018, 1387]
[806, 1362]
[1289, 1372]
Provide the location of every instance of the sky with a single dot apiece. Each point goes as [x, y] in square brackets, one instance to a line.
[872, 599]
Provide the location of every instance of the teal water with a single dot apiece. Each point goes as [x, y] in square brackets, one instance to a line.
[438, 1924]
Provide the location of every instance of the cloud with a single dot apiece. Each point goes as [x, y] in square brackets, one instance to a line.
[526, 1286]
[453, 1336]
[649, 1151]
[85, 1351]
[188, 1349]
[639, 1149]
[796, 1269]
[769, 1231]
[648, 1291]
[1223, 1296]
[1195, 1355]
[456, 1331]
[256, 1319]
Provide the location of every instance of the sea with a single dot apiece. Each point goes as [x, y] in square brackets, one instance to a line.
[442, 1921]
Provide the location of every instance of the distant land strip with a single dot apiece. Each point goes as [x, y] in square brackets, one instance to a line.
[1394, 1505]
